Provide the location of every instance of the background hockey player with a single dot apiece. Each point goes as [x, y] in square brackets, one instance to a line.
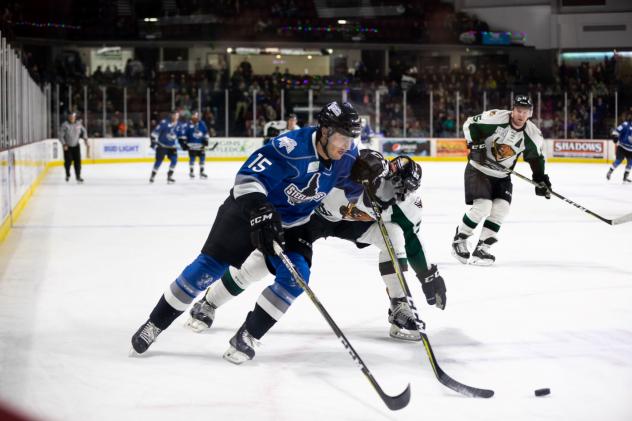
[292, 123]
[276, 191]
[337, 217]
[496, 138]
[622, 135]
[164, 139]
[194, 138]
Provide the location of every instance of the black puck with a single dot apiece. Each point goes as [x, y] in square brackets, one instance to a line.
[542, 392]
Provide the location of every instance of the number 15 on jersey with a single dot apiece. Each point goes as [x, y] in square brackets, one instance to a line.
[259, 164]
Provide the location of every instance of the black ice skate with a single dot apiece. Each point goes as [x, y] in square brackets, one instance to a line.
[242, 347]
[626, 177]
[170, 180]
[67, 178]
[191, 173]
[609, 174]
[80, 180]
[481, 255]
[402, 320]
[203, 175]
[459, 247]
[153, 177]
[202, 315]
[144, 337]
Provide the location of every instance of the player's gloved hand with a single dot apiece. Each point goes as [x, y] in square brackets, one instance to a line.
[152, 143]
[544, 185]
[405, 176]
[478, 152]
[205, 142]
[433, 287]
[183, 145]
[266, 228]
[370, 167]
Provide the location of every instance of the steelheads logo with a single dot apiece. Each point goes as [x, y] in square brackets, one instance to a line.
[297, 196]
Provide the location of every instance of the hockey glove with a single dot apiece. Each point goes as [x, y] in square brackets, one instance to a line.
[544, 185]
[184, 145]
[205, 142]
[478, 153]
[369, 167]
[433, 287]
[266, 228]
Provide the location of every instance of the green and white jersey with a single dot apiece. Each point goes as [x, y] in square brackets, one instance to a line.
[504, 143]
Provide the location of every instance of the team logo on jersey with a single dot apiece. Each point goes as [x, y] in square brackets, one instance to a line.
[297, 196]
[287, 143]
[502, 151]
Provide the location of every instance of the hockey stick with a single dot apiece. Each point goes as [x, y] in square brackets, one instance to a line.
[441, 375]
[615, 221]
[392, 402]
[212, 148]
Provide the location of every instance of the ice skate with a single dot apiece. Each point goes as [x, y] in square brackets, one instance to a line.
[242, 347]
[626, 177]
[152, 177]
[170, 180]
[481, 255]
[144, 337]
[609, 174]
[203, 175]
[201, 317]
[402, 320]
[79, 180]
[191, 173]
[459, 247]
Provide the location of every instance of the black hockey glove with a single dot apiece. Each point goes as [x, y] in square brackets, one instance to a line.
[152, 143]
[266, 228]
[544, 185]
[205, 143]
[370, 167]
[406, 176]
[478, 153]
[433, 287]
[184, 145]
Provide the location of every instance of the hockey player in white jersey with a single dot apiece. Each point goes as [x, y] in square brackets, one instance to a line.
[496, 139]
[337, 217]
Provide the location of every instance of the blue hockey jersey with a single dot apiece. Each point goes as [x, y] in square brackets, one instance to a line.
[166, 133]
[624, 131]
[289, 171]
[196, 135]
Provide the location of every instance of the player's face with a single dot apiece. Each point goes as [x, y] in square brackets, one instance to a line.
[195, 118]
[174, 117]
[338, 145]
[291, 123]
[519, 116]
[72, 118]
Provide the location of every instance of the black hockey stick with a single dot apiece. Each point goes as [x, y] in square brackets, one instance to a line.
[212, 148]
[441, 375]
[392, 402]
[615, 221]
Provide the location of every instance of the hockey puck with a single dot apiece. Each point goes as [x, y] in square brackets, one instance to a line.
[542, 392]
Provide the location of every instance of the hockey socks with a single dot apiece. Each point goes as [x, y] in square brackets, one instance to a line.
[164, 314]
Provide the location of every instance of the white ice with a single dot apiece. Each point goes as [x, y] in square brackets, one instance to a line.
[86, 263]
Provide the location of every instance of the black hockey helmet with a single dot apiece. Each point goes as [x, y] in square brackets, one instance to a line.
[405, 175]
[522, 101]
[342, 118]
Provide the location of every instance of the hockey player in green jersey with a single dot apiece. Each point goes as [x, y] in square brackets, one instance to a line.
[496, 139]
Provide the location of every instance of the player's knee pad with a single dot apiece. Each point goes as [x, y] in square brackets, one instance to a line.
[480, 209]
[499, 211]
[194, 279]
[285, 278]
[253, 270]
[396, 235]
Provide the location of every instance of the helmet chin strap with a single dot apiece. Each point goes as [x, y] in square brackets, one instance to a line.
[324, 145]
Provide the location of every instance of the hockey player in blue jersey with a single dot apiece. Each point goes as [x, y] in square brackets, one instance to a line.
[622, 135]
[275, 192]
[194, 138]
[164, 139]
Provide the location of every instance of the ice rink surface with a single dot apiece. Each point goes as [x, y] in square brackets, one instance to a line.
[86, 263]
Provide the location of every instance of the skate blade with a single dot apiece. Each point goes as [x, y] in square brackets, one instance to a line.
[234, 356]
[404, 335]
[481, 262]
[459, 258]
[196, 325]
[133, 354]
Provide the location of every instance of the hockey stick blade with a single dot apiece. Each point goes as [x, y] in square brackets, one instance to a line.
[441, 376]
[622, 219]
[449, 382]
[392, 402]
